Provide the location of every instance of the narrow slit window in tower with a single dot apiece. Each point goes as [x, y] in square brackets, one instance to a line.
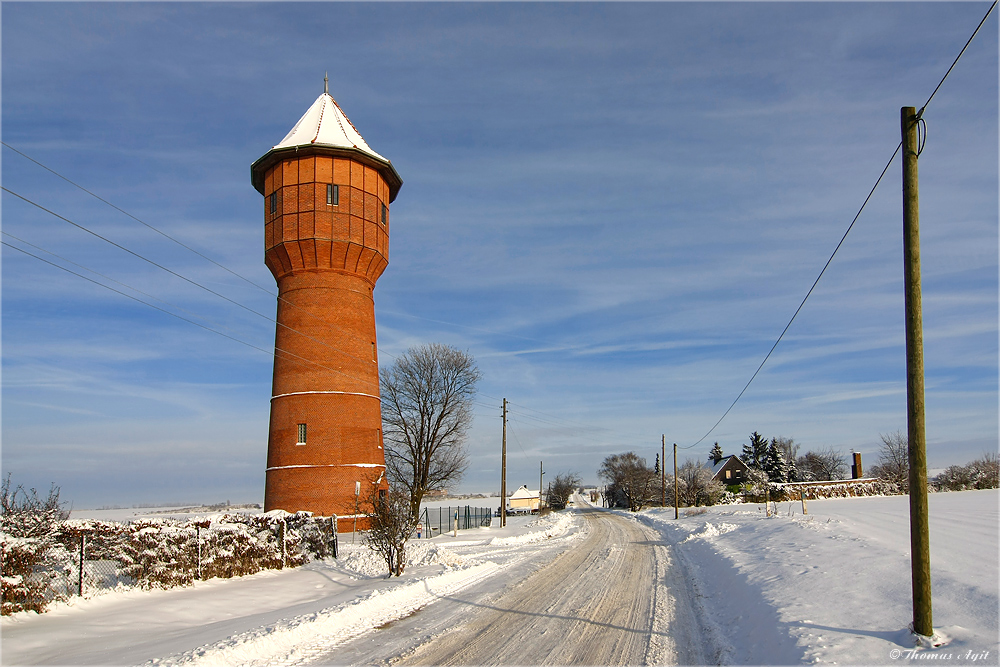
[373, 352]
[302, 435]
[274, 202]
[332, 195]
[383, 214]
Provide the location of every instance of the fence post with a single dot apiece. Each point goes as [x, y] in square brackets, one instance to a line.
[197, 532]
[456, 521]
[333, 524]
[281, 533]
[83, 547]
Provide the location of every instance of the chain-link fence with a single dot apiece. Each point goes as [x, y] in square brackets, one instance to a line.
[85, 556]
[437, 520]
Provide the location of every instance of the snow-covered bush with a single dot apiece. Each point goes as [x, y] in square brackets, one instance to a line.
[31, 555]
[983, 473]
[41, 549]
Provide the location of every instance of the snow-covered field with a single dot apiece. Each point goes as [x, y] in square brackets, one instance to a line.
[830, 587]
[834, 586]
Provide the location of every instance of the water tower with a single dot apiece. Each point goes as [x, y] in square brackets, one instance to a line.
[326, 241]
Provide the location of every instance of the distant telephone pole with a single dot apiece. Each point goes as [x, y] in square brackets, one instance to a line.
[663, 470]
[540, 473]
[503, 471]
[676, 494]
[920, 547]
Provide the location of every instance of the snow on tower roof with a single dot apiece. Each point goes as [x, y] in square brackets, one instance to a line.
[326, 124]
[325, 129]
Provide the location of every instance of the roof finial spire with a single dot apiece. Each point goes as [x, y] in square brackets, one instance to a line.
[326, 83]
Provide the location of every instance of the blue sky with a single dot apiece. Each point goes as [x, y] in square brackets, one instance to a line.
[615, 208]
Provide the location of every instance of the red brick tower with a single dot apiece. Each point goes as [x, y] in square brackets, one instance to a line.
[326, 239]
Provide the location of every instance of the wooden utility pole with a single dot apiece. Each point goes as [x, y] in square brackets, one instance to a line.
[540, 473]
[663, 470]
[920, 547]
[676, 494]
[503, 471]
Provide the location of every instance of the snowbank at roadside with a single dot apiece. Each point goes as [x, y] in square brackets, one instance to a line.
[547, 527]
[834, 586]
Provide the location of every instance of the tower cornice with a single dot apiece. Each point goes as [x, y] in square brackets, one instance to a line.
[259, 168]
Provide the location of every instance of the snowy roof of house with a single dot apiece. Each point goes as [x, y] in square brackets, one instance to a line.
[325, 123]
[325, 129]
[524, 492]
[715, 468]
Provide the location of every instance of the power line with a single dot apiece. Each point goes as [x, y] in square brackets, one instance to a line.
[806, 298]
[941, 82]
[851, 226]
[180, 243]
[182, 277]
[285, 353]
[145, 224]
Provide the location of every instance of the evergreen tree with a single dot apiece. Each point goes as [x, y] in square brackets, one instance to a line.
[775, 465]
[755, 453]
[656, 466]
[716, 454]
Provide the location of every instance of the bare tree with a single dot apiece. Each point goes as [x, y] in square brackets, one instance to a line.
[893, 459]
[696, 486]
[427, 398]
[824, 465]
[391, 526]
[561, 489]
[630, 481]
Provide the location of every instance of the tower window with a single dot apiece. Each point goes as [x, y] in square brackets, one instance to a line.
[274, 202]
[332, 195]
[302, 435]
[383, 213]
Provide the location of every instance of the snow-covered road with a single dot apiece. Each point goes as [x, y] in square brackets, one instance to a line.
[593, 605]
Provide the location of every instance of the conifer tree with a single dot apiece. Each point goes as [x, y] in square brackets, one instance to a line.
[774, 463]
[716, 454]
[755, 453]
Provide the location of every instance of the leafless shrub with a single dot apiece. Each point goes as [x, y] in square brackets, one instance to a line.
[392, 523]
[983, 473]
[696, 486]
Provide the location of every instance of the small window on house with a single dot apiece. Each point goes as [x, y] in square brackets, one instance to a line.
[274, 202]
[729, 474]
[383, 213]
[302, 435]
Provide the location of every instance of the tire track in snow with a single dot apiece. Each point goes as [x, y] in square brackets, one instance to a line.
[594, 604]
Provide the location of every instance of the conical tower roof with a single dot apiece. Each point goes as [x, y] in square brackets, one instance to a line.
[325, 123]
[324, 129]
